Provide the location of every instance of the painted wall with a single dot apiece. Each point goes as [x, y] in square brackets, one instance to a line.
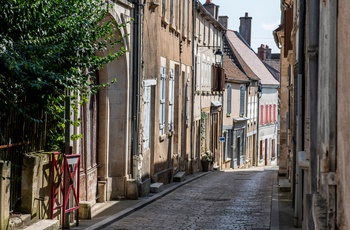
[343, 111]
[268, 130]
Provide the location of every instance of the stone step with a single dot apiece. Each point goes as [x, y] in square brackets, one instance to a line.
[19, 220]
[44, 225]
[157, 187]
[179, 177]
[284, 185]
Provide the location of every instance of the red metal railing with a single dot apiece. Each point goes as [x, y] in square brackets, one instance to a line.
[64, 184]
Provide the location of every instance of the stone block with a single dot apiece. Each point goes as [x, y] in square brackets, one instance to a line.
[144, 187]
[284, 185]
[131, 190]
[5, 170]
[157, 187]
[45, 225]
[102, 191]
[85, 210]
[179, 177]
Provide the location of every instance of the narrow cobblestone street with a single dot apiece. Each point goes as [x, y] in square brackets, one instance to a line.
[219, 200]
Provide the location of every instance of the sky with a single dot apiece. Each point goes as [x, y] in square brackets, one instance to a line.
[266, 16]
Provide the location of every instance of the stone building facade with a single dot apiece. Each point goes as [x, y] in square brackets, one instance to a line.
[165, 85]
[208, 83]
[315, 48]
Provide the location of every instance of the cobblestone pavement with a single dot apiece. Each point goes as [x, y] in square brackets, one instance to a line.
[219, 200]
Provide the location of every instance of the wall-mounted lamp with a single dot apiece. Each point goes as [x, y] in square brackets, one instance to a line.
[259, 89]
[218, 56]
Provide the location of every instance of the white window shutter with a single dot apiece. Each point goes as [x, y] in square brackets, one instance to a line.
[147, 115]
[188, 99]
[162, 101]
[171, 101]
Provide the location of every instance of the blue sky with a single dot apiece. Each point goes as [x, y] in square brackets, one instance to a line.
[266, 16]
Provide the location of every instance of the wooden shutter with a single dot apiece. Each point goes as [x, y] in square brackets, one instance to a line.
[229, 99]
[162, 101]
[214, 82]
[146, 116]
[171, 101]
[241, 101]
[188, 99]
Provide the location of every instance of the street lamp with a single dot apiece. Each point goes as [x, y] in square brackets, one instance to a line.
[218, 53]
[259, 89]
[218, 56]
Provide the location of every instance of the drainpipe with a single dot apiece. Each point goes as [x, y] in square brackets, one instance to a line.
[246, 115]
[259, 94]
[194, 16]
[313, 27]
[300, 110]
[136, 81]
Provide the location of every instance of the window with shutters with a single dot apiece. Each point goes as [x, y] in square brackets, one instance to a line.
[270, 114]
[162, 101]
[184, 17]
[275, 113]
[241, 101]
[214, 80]
[229, 99]
[261, 115]
[146, 117]
[267, 114]
[199, 72]
[171, 11]
[163, 7]
[249, 107]
[171, 101]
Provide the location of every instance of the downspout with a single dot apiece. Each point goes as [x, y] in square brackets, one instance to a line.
[259, 93]
[246, 115]
[194, 7]
[313, 59]
[221, 156]
[136, 82]
[300, 115]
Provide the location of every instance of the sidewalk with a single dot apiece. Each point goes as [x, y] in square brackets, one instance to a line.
[108, 212]
[115, 210]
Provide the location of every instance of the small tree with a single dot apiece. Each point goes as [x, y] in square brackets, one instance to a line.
[48, 47]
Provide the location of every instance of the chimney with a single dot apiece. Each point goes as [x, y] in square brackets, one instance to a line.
[224, 21]
[268, 53]
[245, 28]
[212, 9]
[262, 52]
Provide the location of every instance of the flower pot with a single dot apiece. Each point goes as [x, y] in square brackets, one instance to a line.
[205, 165]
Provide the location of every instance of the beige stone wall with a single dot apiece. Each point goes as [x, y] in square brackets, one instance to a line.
[5, 170]
[284, 106]
[35, 187]
[115, 115]
[343, 111]
[167, 43]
